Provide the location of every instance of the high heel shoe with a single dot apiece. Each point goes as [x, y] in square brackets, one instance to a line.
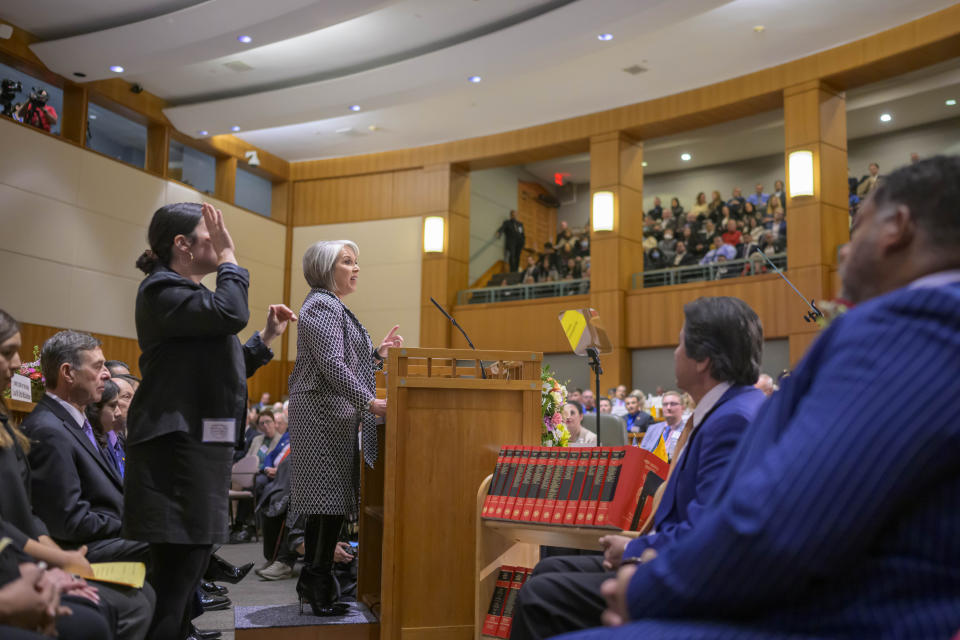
[321, 591]
[219, 570]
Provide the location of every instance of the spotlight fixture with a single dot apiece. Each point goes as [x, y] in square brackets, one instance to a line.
[885, 117]
[474, 79]
[950, 102]
[244, 39]
[235, 128]
[605, 37]
[354, 107]
[203, 132]
[685, 157]
[116, 68]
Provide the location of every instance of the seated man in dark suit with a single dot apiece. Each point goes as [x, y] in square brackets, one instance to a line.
[717, 363]
[76, 491]
[838, 518]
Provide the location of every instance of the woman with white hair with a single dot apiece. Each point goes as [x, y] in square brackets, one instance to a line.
[332, 398]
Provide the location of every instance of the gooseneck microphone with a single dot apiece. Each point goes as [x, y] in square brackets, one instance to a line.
[814, 312]
[483, 373]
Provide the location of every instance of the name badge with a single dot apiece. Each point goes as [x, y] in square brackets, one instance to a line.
[224, 430]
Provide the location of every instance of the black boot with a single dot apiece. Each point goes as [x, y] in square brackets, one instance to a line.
[317, 584]
[219, 570]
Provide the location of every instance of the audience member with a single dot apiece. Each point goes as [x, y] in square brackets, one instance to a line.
[736, 202]
[117, 367]
[781, 194]
[772, 243]
[604, 405]
[573, 419]
[531, 270]
[675, 208]
[719, 249]
[586, 400]
[765, 384]
[681, 258]
[758, 198]
[668, 246]
[732, 235]
[777, 225]
[657, 211]
[637, 419]
[515, 240]
[670, 429]
[701, 208]
[106, 417]
[618, 397]
[870, 181]
[717, 360]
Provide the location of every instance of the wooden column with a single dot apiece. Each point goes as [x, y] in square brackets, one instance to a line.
[226, 184]
[616, 165]
[73, 119]
[445, 273]
[158, 149]
[815, 119]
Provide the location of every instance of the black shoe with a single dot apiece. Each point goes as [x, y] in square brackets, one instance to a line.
[214, 589]
[214, 603]
[219, 570]
[204, 635]
[321, 591]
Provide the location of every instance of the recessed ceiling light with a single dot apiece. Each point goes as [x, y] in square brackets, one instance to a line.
[759, 28]
[474, 79]
[80, 74]
[116, 68]
[605, 37]
[885, 117]
[245, 39]
[354, 107]
[373, 127]
[644, 163]
[951, 102]
[685, 157]
[235, 128]
[92, 116]
[203, 132]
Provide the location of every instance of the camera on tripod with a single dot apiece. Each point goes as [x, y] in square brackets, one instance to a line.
[8, 93]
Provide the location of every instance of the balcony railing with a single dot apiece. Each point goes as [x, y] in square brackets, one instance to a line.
[707, 272]
[524, 291]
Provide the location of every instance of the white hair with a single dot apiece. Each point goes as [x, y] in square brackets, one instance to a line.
[319, 260]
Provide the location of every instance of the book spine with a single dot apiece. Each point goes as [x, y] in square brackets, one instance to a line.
[581, 513]
[642, 504]
[489, 501]
[598, 481]
[575, 472]
[536, 482]
[551, 483]
[520, 575]
[510, 469]
[610, 484]
[524, 456]
[491, 622]
[532, 463]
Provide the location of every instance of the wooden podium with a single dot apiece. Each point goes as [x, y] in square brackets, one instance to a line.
[418, 526]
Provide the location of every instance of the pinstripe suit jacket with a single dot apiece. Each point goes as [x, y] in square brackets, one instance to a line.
[839, 516]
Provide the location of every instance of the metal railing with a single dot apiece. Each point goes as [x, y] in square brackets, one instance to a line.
[515, 292]
[707, 272]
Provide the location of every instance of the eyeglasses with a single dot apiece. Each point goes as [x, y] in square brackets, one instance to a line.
[671, 404]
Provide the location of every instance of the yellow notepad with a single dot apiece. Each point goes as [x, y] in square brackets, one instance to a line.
[130, 574]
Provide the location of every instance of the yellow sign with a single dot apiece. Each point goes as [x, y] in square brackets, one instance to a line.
[573, 324]
[131, 574]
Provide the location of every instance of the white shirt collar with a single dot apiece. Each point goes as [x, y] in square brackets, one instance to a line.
[933, 280]
[706, 403]
[75, 413]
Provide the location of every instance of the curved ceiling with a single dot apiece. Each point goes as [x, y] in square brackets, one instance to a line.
[406, 62]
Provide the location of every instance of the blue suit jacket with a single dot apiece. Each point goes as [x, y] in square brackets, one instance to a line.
[701, 467]
[839, 515]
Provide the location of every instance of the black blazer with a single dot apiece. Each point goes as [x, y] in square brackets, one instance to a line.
[17, 520]
[76, 491]
[193, 365]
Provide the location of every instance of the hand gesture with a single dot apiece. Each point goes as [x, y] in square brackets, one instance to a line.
[29, 602]
[391, 340]
[219, 236]
[379, 408]
[278, 317]
[614, 591]
[613, 547]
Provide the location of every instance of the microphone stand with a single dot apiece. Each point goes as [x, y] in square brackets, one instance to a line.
[594, 362]
[814, 313]
[483, 372]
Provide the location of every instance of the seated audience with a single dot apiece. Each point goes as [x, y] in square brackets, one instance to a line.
[715, 206]
[106, 417]
[573, 419]
[719, 249]
[586, 400]
[668, 246]
[657, 211]
[758, 198]
[670, 429]
[772, 243]
[780, 193]
[777, 225]
[681, 258]
[531, 270]
[675, 208]
[604, 405]
[736, 202]
[748, 211]
[732, 235]
[700, 207]
[637, 419]
[717, 361]
[870, 181]
[117, 367]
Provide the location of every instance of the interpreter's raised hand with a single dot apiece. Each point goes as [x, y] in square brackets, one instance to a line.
[219, 236]
[613, 547]
[279, 316]
[391, 340]
[27, 602]
[614, 592]
[379, 408]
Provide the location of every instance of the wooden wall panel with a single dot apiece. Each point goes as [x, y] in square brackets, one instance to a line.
[114, 348]
[523, 325]
[351, 199]
[539, 221]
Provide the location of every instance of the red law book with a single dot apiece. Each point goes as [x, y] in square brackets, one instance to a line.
[598, 482]
[553, 491]
[515, 483]
[576, 489]
[520, 575]
[641, 473]
[610, 486]
[531, 468]
[490, 500]
[506, 480]
[533, 487]
[492, 622]
[587, 486]
[550, 467]
[566, 495]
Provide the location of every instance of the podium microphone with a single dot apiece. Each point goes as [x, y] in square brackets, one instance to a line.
[483, 373]
[814, 312]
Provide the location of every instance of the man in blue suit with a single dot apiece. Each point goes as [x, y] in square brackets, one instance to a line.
[717, 363]
[839, 518]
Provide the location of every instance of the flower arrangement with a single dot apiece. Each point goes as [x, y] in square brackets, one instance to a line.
[31, 370]
[552, 396]
[831, 310]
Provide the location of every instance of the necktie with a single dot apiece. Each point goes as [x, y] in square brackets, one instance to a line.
[88, 430]
[658, 496]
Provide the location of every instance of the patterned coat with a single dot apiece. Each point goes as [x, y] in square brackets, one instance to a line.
[331, 384]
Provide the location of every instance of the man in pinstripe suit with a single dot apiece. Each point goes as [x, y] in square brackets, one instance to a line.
[839, 516]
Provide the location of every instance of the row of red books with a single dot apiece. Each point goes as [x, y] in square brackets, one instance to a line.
[499, 618]
[607, 487]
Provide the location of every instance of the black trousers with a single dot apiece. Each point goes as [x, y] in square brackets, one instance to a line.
[513, 251]
[276, 546]
[562, 595]
[133, 608]
[177, 572]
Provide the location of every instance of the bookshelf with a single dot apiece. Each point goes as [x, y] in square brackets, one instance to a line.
[518, 543]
